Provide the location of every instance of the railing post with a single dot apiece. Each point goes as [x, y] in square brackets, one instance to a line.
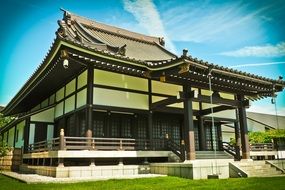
[89, 140]
[121, 144]
[166, 142]
[61, 140]
[93, 144]
[182, 150]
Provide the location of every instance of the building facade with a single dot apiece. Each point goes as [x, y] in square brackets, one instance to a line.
[122, 96]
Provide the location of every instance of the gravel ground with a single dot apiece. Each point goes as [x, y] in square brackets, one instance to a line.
[34, 178]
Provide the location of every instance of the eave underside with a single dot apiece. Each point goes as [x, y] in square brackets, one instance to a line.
[178, 71]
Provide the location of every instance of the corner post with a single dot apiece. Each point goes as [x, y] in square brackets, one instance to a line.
[189, 124]
[61, 140]
[89, 102]
[61, 147]
[201, 132]
[237, 140]
[150, 116]
[26, 135]
[243, 128]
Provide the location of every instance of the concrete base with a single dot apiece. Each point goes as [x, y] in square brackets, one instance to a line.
[194, 169]
[97, 154]
[86, 171]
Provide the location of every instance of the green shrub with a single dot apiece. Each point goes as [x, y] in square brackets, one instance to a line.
[259, 137]
[4, 148]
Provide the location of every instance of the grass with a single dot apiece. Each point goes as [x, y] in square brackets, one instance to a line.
[159, 183]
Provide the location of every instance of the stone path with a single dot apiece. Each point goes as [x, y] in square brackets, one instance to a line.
[34, 178]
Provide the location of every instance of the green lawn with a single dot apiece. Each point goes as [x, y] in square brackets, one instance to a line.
[160, 183]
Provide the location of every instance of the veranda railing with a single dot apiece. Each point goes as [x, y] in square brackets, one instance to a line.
[86, 143]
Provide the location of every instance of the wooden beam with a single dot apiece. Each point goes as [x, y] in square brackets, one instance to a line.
[219, 119]
[215, 109]
[165, 102]
[196, 83]
[172, 100]
[217, 100]
[175, 110]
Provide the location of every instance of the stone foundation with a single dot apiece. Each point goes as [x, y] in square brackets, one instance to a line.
[12, 161]
[196, 169]
[86, 171]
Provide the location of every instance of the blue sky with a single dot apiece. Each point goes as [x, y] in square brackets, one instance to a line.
[247, 35]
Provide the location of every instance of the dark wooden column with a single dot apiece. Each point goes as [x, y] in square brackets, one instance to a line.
[188, 124]
[219, 136]
[201, 128]
[201, 133]
[15, 131]
[243, 129]
[150, 116]
[89, 102]
[237, 139]
[26, 135]
[150, 136]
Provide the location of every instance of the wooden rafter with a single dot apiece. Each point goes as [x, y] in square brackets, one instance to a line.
[215, 109]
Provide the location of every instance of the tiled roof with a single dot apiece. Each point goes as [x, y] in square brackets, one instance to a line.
[127, 49]
[116, 40]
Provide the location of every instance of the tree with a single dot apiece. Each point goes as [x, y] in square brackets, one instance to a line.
[259, 137]
[266, 137]
[4, 120]
[4, 150]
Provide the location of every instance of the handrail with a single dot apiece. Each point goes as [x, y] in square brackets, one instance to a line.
[238, 170]
[89, 143]
[275, 166]
[178, 150]
[232, 150]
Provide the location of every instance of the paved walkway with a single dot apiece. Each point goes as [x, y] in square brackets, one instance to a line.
[34, 178]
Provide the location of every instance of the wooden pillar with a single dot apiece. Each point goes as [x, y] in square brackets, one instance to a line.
[89, 102]
[61, 140]
[243, 129]
[201, 133]
[237, 139]
[89, 139]
[15, 135]
[61, 147]
[219, 137]
[150, 116]
[26, 135]
[150, 136]
[188, 124]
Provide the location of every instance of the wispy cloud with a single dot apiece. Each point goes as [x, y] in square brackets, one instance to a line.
[147, 15]
[258, 64]
[268, 50]
[267, 109]
[203, 22]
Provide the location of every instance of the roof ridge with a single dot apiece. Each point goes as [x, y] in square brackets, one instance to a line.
[112, 29]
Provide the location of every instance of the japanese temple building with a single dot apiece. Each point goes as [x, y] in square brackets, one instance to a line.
[104, 95]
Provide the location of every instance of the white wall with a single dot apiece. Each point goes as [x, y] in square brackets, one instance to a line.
[120, 99]
[50, 129]
[44, 116]
[11, 137]
[20, 128]
[32, 134]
